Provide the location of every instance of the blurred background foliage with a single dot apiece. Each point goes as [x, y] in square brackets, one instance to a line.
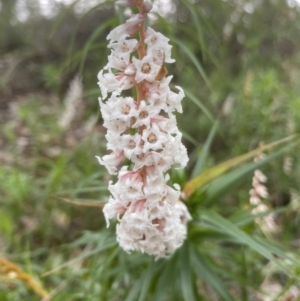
[238, 62]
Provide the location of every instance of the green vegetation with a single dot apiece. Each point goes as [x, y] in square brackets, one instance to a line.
[238, 64]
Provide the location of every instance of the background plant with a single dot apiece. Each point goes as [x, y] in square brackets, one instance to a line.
[237, 62]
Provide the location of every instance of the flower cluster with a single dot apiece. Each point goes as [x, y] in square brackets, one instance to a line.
[142, 131]
[257, 194]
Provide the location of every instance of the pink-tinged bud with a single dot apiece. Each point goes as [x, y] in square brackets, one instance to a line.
[128, 29]
[127, 2]
[130, 70]
[112, 161]
[147, 6]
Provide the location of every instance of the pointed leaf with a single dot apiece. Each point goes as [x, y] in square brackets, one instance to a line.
[83, 202]
[199, 104]
[166, 279]
[186, 274]
[148, 277]
[204, 152]
[228, 182]
[206, 272]
[193, 58]
[227, 227]
[91, 39]
[221, 168]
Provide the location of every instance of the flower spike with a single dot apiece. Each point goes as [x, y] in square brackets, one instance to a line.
[143, 132]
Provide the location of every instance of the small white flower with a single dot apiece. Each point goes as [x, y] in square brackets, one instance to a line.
[127, 191]
[154, 138]
[122, 108]
[113, 209]
[116, 63]
[260, 176]
[174, 100]
[141, 160]
[146, 69]
[108, 83]
[158, 43]
[123, 48]
[144, 114]
[161, 162]
[128, 29]
[112, 161]
[131, 145]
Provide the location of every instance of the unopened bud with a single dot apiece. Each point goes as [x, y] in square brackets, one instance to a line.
[126, 2]
[148, 5]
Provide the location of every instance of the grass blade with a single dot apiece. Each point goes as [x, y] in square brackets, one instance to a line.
[200, 105]
[205, 271]
[204, 152]
[193, 58]
[166, 279]
[90, 41]
[227, 227]
[226, 183]
[186, 274]
[221, 168]
[148, 278]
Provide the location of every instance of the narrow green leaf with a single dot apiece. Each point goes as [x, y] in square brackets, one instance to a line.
[90, 189]
[120, 13]
[83, 202]
[225, 226]
[200, 105]
[90, 41]
[221, 168]
[72, 42]
[226, 183]
[193, 58]
[205, 150]
[108, 244]
[186, 274]
[246, 216]
[61, 18]
[148, 277]
[166, 279]
[135, 290]
[197, 25]
[281, 251]
[206, 272]
[189, 138]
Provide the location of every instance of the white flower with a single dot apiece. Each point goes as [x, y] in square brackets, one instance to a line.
[146, 69]
[112, 161]
[108, 83]
[161, 162]
[129, 186]
[154, 138]
[116, 63]
[131, 145]
[157, 42]
[122, 108]
[174, 100]
[113, 209]
[127, 29]
[144, 114]
[141, 160]
[123, 48]
[260, 176]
